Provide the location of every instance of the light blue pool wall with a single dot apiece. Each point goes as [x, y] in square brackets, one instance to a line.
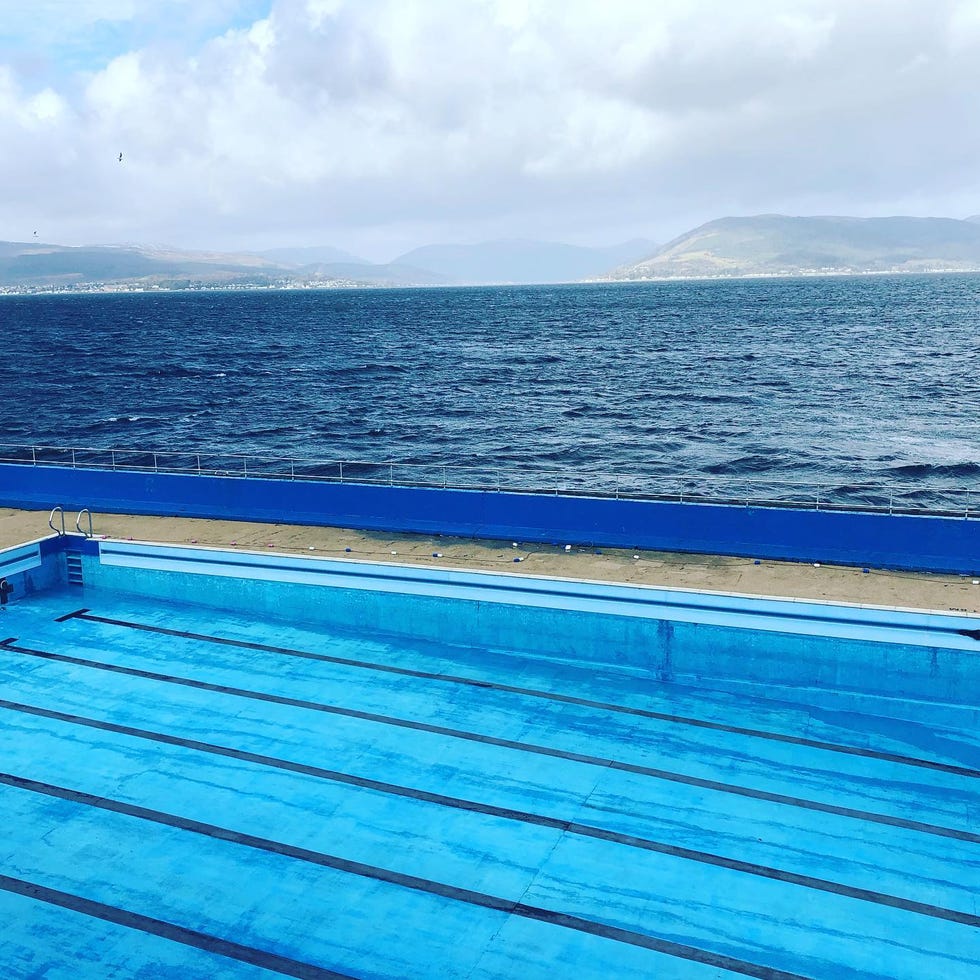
[33, 567]
[659, 641]
[911, 542]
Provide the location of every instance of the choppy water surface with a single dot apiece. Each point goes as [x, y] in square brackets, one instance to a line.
[836, 381]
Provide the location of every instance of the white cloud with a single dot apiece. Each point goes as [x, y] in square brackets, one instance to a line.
[964, 24]
[347, 120]
[46, 106]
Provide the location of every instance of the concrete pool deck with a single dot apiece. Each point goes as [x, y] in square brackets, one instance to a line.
[712, 573]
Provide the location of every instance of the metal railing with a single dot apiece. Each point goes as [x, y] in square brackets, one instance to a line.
[893, 498]
[60, 511]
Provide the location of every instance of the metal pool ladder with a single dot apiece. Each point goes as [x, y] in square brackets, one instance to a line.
[60, 531]
[73, 557]
[61, 511]
[78, 523]
[73, 562]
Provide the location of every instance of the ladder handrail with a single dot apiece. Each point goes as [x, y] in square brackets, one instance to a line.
[57, 510]
[78, 523]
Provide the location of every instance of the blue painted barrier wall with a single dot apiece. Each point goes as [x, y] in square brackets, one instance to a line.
[920, 543]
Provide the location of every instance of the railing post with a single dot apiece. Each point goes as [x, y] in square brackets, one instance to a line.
[112, 458]
[34, 455]
[292, 469]
[245, 465]
[341, 472]
[198, 458]
[73, 458]
[155, 467]
[391, 475]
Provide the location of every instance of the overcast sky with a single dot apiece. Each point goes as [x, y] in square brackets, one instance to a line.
[379, 125]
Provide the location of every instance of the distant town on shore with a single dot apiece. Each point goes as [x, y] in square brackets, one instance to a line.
[733, 247]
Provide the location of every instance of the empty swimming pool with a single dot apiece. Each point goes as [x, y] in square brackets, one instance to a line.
[229, 765]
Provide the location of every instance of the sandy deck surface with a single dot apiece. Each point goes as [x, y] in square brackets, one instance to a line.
[711, 573]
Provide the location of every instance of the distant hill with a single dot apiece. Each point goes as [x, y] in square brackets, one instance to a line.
[39, 266]
[761, 245]
[773, 244]
[523, 262]
[310, 255]
[363, 273]
[36, 265]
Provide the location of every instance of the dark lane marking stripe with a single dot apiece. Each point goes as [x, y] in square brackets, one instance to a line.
[274, 762]
[576, 829]
[546, 695]
[77, 614]
[452, 892]
[530, 747]
[167, 930]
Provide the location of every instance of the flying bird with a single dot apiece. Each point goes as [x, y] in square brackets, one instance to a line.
[120, 158]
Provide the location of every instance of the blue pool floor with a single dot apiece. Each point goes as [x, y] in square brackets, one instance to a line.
[189, 793]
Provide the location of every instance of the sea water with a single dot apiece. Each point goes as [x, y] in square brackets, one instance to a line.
[838, 381]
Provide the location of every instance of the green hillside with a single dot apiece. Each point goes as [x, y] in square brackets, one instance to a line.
[779, 245]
